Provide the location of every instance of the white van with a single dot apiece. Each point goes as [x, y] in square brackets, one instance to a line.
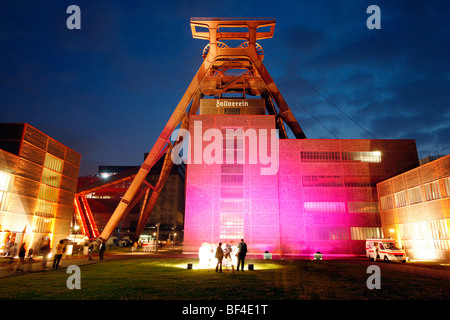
[386, 249]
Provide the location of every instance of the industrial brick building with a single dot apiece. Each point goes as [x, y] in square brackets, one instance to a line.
[38, 179]
[323, 197]
[415, 210]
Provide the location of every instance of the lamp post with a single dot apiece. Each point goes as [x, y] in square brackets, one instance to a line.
[157, 237]
[76, 227]
[173, 242]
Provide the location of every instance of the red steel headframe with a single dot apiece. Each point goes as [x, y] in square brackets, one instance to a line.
[210, 79]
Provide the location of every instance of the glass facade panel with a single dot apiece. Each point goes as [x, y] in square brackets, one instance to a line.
[363, 233]
[447, 186]
[362, 156]
[432, 191]
[363, 207]
[324, 206]
[5, 187]
[400, 199]
[414, 195]
[322, 181]
[387, 203]
[232, 185]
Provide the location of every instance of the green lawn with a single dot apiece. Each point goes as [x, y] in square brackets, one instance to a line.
[168, 279]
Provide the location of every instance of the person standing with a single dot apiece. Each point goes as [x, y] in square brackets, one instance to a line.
[45, 249]
[90, 248]
[22, 251]
[219, 257]
[101, 249]
[60, 249]
[242, 252]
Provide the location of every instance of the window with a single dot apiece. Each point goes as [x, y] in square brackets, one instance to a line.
[48, 193]
[362, 181]
[51, 178]
[426, 235]
[363, 233]
[400, 199]
[232, 185]
[447, 186]
[432, 190]
[320, 156]
[324, 206]
[415, 196]
[322, 181]
[45, 209]
[5, 188]
[363, 207]
[387, 203]
[53, 163]
[42, 225]
[330, 233]
[362, 156]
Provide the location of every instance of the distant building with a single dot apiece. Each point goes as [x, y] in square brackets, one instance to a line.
[415, 210]
[169, 210]
[429, 159]
[38, 178]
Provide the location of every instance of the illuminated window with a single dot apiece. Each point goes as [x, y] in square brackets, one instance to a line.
[42, 225]
[432, 190]
[45, 209]
[400, 199]
[48, 193]
[414, 195]
[362, 156]
[363, 207]
[387, 203]
[324, 206]
[232, 185]
[5, 188]
[447, 185]
[426, 235]
[363, 233]
[51, 178]
[53, 163]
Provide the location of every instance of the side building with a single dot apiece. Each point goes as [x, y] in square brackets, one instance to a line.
[38, 179]
[415, 210]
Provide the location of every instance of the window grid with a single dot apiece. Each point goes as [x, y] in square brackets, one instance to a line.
[363, 207]
[447, 186]
[320, 156]
[232, 185]
[324, 206]
[400, 199]
[432, 191]
[363, 233]
[362, 156]
[414, 195]
[53, 163]
[387, 203]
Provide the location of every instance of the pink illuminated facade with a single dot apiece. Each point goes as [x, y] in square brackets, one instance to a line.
[299, 196]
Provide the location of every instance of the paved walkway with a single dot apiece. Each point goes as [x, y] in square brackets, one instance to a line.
[10, 270]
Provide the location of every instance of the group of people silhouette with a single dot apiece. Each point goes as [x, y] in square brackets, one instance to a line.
[226, 252]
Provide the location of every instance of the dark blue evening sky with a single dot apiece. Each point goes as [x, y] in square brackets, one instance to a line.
[108, 89]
